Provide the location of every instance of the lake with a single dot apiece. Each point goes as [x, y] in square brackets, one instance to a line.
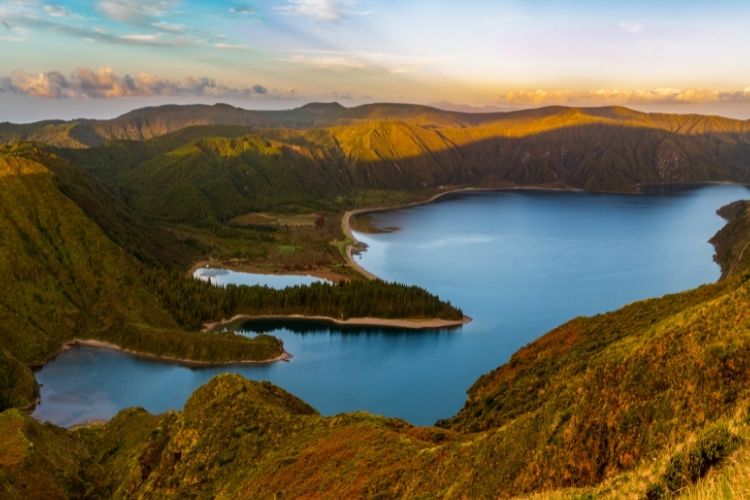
[223, 277]
[518, 262]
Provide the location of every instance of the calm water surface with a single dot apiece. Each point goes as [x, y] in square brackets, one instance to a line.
[223, 277]
[518, 262]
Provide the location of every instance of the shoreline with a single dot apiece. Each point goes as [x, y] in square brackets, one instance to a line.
[191, 363]
[407, 324]
[353, 243]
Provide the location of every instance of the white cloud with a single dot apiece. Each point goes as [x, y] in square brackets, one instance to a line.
[142, 38]
[322, 10]
[633, 28]
[242, 10]
[12, 39]
[539, 97]
[56, 10]
[104, 82]
[230, 46]
[135, 10]
[169, 27]
[330, 61]
[361, 61]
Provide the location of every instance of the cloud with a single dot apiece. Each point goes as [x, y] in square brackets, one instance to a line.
[12, 39]
[736, 96]
[362, 61]
[322, 10]
[330, 61]
[539, 97]
[105, 83]
[143, 15]
[231, 46]
[56, 10]
[142, 38]
[135, 11]
[633, 28]
[169, 27]
[243, 10]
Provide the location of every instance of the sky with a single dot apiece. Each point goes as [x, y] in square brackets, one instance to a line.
[100, 58]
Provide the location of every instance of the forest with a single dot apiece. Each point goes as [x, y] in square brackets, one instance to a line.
[193, 302]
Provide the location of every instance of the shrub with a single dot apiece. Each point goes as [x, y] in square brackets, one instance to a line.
[655, 491]
[713, 445]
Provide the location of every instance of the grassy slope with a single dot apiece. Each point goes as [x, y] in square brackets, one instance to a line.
[325, 159]
[195, 169]
[78, 263]
[613, 405]
[214, 173]
[64, 278]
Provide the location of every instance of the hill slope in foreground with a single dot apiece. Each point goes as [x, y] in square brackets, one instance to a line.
[644, 401]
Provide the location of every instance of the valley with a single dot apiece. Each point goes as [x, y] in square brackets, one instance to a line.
[103, 219]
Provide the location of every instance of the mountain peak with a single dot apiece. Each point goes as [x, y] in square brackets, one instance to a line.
[323, 107]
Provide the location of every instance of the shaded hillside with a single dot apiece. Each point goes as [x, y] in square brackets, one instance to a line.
[79, 264]
[64, 278]
[210, 174]
[153, 122]
[141, 238]
[650, 398]
[732, 251]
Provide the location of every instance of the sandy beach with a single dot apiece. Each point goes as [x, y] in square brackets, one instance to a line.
[408, 324]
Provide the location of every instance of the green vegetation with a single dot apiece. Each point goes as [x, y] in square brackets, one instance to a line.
[685, 468]
[649, 400]
[194, 302]
[196, 171]
[65, 279]
[641, 401]
[17, 385]
[732, 251]
[79, 263]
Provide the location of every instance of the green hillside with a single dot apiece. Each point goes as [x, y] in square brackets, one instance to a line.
[78, 263]
[100, 220]
[65, 279]
[196, 172]
[648, 400]
[217, 172]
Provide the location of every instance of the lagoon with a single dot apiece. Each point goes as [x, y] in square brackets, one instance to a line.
[518, 262]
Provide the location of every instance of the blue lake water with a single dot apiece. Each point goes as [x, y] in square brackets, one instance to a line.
[518, 262]
[223, 277]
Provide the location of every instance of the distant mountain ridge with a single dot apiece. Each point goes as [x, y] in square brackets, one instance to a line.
[201, 163]
[150, 122]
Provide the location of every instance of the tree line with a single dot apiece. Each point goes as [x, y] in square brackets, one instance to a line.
[193, 302]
